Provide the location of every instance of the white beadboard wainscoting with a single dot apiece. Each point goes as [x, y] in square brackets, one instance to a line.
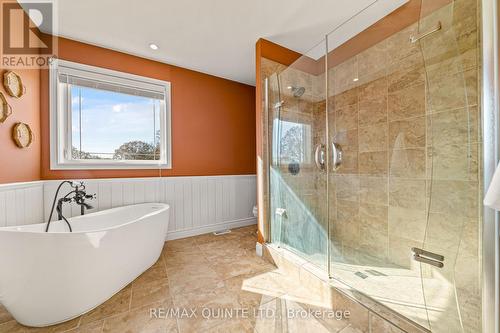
[21, 203]
[198, 204]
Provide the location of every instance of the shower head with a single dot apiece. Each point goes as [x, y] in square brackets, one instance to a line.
[297, 91]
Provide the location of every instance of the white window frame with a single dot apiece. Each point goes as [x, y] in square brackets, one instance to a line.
[60, 118]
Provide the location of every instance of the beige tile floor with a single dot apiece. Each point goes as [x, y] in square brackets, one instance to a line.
[208, 274]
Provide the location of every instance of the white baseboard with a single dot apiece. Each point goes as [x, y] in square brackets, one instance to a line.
[211, 228]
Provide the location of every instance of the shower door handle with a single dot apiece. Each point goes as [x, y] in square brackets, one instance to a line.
[319, 156]
[336, 155]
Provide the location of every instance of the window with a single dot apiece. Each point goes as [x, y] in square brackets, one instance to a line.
[103, 119]
[292, 142]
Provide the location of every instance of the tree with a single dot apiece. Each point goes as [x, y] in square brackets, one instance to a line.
[82, 155]
[132, 150]
[291, 145]
[137, 150]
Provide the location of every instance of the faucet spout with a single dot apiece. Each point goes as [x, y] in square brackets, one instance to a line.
[86, 205]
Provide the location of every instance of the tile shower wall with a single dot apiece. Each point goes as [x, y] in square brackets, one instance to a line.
[198, 204]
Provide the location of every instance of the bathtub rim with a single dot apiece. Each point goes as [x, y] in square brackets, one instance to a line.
[18, 229]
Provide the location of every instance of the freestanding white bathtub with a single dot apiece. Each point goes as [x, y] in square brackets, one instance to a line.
[47, 278]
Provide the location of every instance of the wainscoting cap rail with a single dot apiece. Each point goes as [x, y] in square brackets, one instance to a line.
[19, 185]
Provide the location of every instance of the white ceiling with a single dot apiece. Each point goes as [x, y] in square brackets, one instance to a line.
[211, 36]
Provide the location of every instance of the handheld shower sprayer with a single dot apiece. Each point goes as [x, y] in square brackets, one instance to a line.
[79, 197]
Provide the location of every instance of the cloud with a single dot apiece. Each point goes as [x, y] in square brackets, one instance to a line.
[118, 107]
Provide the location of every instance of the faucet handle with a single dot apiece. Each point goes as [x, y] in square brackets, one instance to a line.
[79, 184]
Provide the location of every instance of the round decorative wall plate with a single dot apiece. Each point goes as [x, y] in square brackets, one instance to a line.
[22, 135]
[5, 108]
[13, 84]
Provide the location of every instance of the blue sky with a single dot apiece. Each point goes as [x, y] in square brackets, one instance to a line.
[110, 119]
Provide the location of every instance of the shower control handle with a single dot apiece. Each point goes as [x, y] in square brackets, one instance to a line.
[320, 156]
[336, 155]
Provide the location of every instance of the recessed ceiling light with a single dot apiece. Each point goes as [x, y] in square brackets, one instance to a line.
[153, 46]
[355, 79]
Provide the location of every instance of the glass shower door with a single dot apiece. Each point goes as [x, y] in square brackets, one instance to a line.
[399, 220]
[450, 255]
[298, 163]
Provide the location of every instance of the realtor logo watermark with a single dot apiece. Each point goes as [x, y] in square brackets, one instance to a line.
[27, 34]
[245, 313]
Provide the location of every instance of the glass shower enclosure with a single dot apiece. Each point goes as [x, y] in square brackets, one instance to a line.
[375, 162]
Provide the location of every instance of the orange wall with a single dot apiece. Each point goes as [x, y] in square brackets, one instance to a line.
[213, 119]
[19, 165]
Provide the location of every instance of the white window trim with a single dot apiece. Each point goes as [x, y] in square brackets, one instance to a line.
[60, 132]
